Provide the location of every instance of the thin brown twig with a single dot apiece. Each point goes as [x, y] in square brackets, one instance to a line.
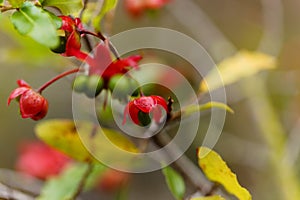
[85, 2]
[111, 45]
[6, 8]
[186, 167]
[88, 43]
[83, 181]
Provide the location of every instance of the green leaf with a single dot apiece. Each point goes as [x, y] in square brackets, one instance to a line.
[65, 185]
[56, 20]
[24, 51]
[107, 6]
[217, 170]
[175, 182]
[209, 198]
[94, 176]
[16, 3]
[241, 65]
[1, 2]
[36, 23]
[67, 7]
[196, 108]
[63, 135]
[95, 15]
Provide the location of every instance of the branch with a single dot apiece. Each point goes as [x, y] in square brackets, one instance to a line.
[6, 8]
[9, 193]
[83, 181]
[189, 170]
[185, 166]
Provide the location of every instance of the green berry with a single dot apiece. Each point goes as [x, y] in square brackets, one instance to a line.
[79, 84]
[113, 81]
[119, 85]
[94, 86]
[122, 85]
[134, 85]
[61, 47]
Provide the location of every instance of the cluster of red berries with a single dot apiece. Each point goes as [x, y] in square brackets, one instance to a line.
[137, 7]
[103, 73]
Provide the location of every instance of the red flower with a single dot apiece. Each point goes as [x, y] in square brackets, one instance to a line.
[103, 65]
[137, 7]
[32, 104]
[145, 105]
[112, 180]
[72, 28]
[39, 160]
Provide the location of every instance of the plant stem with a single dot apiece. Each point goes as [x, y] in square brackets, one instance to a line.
[83, 9]
[6, 8]
[185, 166]
[83, 180]
[88, 43]
[62, 75]
[111, 47]
[103, 38]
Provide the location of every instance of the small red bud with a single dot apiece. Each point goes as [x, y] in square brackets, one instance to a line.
[112, 180]
[32, 104]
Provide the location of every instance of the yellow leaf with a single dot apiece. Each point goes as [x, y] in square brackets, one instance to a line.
[209, 198]
[82, 141]
[212, 104]
[62, 135]
[217, 171]
[232, 69]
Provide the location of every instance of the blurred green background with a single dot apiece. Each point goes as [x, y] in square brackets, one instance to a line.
[245, 142]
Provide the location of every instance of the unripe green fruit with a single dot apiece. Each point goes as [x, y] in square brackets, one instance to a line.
[113, 81]
[94, 86]
[121, 85]
[80, 83]
[144, 118]
[134, 85]
[61, 47]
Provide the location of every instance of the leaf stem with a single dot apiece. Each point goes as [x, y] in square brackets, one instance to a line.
[85, 2]
[62, 75]
[83, 181]
[103, 38]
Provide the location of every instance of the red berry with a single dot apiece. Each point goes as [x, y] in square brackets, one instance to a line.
[32, 104]
[112, 180]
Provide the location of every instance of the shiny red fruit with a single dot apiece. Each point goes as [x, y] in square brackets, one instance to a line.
[146, 105]
[32, 104]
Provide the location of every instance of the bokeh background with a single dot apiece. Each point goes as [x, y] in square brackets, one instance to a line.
[266, 106]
